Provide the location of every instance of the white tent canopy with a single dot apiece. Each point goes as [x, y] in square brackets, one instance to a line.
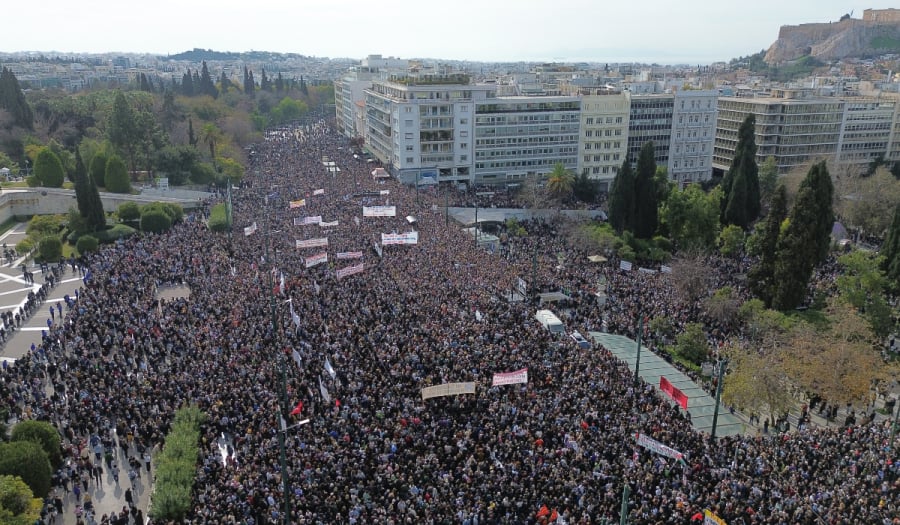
[380, 173]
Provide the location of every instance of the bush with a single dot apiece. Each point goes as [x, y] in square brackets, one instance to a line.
[692, 345]
[41, 225]
[32, 181]
[155, 220]
[50, 248]
[27, 460]
[117, 180]
[42, 433]
[87, 244]
[218, 219]
[24, 246]
[128, 212]
[203, 173]
[175, 211]
[118, 231]
[98, 169]
[176, 466]
[49, 169]
[18, 506]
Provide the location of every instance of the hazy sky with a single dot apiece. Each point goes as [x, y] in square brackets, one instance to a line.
[664, 31]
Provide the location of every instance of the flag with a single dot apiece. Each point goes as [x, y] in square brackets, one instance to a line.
[324, 391]
[297, 409]
[297, 204]
[250, 230]
[281, 284]
[296, 319]
[233, 271]
[299, 360]
[329, 369]
[271, 196]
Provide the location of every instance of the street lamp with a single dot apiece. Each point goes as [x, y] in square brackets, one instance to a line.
[723, 363]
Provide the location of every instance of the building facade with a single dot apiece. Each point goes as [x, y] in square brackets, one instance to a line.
[423, 126]
[866, 130]
[692, 136]
[650, 119]
[604, 135]
[521, 137]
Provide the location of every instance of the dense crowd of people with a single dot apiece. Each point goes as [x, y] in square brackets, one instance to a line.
[355, 352]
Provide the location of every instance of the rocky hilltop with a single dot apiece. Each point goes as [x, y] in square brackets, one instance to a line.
[877, 33]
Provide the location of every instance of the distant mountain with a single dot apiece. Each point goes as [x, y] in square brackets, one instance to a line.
[199, 55]
[877, 33]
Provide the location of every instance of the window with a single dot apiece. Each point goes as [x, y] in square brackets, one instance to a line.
[408, 109]
[463, 134]
[409, 160]
[463, 158]
[409, 147]
[588, 133]
[463, 121]
[464, 145]
[408, 123]
[409, 136]
[590, 120]
[464, 108]
[618, 120]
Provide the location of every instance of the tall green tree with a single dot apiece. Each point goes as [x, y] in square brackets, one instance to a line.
[28, 461]
[122, 130]
[187, 84]
[249, 83]
[761, 277]
[48, 169]
[585, 189]
[691, 217]
[98, 169]
[265, 84]
[621, 199]
[207, 87]
[741, 204]
[891, 251]
[768, 180]
[805, 241]
[18, 506]
[42, 433]
[646, 217]
[12, 99]
[117, 180]
[80, 178]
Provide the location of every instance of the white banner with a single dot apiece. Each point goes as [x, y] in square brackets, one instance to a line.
[511, 378]
[331, 224]
[316, 259]
[625, 265]
[665, 269]
[319, 192]
[385, 192]
[448, 389]
[399, 238]
[301, 221]
[312, 243]
[348, 255]
[655, 446]
[250, 230]
[646, 270]
[379, 211]
[350, 270]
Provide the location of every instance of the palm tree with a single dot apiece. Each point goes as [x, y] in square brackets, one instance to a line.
[560, 181]
[211, 135]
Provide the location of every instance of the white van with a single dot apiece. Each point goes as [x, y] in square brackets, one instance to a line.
[549, 321]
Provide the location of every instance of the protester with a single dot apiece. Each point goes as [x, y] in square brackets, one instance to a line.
[123, 361]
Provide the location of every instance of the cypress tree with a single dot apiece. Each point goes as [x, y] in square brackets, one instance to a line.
[264, 83]
[741, 205]
[303, 88]
[806, 239]
[621, 199]
[761, 277]
[891, 250]
[279, 83]
[645, 194]
[12, 99]
[80, 178]
[192, 139]
[187, 84]
[206, 84]
[98, 169]
[250, 84]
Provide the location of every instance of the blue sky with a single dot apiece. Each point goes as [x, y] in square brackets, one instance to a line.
[663, 31]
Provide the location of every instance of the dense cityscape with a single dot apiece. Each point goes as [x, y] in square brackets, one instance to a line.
[265, 288]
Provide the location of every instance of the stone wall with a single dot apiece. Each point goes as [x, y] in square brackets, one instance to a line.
[44, 201]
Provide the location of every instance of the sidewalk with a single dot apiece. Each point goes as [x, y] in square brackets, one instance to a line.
[107, 496]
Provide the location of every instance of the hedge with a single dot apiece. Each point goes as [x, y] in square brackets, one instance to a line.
[176, 467]
[218, 218]
[86, 244]
[116, 232]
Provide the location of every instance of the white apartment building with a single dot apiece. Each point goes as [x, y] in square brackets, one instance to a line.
[349, 91]
[866, 130]
[693, 136]
[520, 137]
[604, 135]
[423, 125]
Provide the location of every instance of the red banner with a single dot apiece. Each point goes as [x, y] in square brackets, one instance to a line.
[670, 390]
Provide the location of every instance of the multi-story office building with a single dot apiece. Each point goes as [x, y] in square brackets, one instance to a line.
[520, 137]
[349, 91]
[423, 125]
[793, 131]
[650, 119]
[604, 135]
[692, 136]
[866, 130]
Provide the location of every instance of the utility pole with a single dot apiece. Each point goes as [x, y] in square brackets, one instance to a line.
[723, 363]
[447, 209]
[894, 424]
[623, 515]
[476, 224]
[282, 434]
[637, 360]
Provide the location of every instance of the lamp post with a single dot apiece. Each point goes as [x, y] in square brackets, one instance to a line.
[723, 363]
[637, 359]
[286, 482]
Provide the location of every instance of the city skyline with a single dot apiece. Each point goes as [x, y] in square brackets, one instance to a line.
[698, 32]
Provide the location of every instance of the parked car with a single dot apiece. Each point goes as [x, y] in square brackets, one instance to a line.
[579, 339]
